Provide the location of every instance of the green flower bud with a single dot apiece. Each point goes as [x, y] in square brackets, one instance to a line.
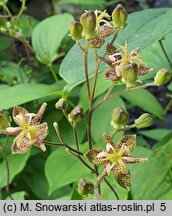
[88, 21]
[61, 104]
[145, 120]
[85, 187]
[129, 74]
[119, 17]
[162, 77]
[119, 118]
[3, 2]
[4, 120]
[76, 30]
[76, 114]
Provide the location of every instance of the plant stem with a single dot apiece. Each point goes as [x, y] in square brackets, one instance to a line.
[7, 10]
[53, 73]
[21, 9]
[163, 49]
[63, 145]
[86, 70]
[112, 189]
[107, 97]
[8, 170]
[75, 137]
[169, 105]
[95, 75]
[53, 4]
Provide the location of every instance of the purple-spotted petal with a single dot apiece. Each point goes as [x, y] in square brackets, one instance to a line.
[19, 115]
[11, 131]
[92, 157]
[128, 143]
[38, 116]
[123, 179]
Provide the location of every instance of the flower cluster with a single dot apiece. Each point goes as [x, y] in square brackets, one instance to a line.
[30, 131]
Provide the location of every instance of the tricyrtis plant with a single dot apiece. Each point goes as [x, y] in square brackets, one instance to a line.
[123, 67]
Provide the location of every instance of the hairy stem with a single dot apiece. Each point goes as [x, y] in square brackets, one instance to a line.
[22, 8]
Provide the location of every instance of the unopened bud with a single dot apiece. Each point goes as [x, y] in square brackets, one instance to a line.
[129, 74]
[162, 77]
[85, 187]
[61, 104]
[145, 120]
[88, 21]
[3, 2]
[76, 30]
[76, 114]
[119, 17]
[4, 120]
[119, 118]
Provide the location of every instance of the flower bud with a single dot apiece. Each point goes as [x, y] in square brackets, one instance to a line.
[119, 17]
[4, 120]
[3, 2]
[76, 114]
[61, 104]
[88, 21]
[85, 187]
[119, 118]
[129, 74]
[76, 30]
[162, 77]
[145, 120]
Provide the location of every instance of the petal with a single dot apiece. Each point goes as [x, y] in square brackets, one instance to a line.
[10, 131]
[92, 157]
[128, 142]
[100, 177]
[123, 179]
[134, 159]
[19, 115]
[109, 148]
[109, 167]
[41, 131]
[40, 146]
[13, 130]
[20, 149]
[38, 116]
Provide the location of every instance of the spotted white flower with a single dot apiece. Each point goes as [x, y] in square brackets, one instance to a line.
[30, 131]
[115, 158]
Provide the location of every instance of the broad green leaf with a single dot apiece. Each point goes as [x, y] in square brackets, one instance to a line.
[11, 73]
[164, 140]
[38, 184]
[146, 177]
[27, 24]
[101, 118]
[16, 165]
[20, 94]
[144, 28]
[145, 100]
[47, 36]
[62, 168]
[156, 134]
[17, 196]
[75, 195]
[5, 43]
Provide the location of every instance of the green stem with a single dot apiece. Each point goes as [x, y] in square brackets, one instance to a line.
[7, 168]
[22, 8]
[167, 107]
[53, 73]
[53, 4]
[163, 49]
[75, 137]
[107, 97]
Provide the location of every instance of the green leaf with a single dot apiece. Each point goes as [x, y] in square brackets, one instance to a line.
[75, 195]
[62, 168]
[27, 24]
[146, 177]
[145, 100]
[17, 196]
[47, 36]
[16, 165]
[144, 28]
[11, 73]
[23, 93]
[89, 2]
[102, 118]
[156, 134]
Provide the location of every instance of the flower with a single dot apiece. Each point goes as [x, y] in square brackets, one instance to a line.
[30, 131]
[115, 158]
